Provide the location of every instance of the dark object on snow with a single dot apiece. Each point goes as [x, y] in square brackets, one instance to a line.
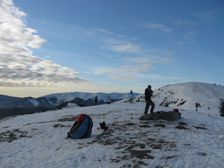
[165, 115]
[103, 126]
[175, 110]
[180, 127]
[82, 128]
[96, 100]
[131, 96]
[197, 105]
[221, 108]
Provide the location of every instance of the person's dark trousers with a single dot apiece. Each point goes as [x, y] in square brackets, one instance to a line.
[148, 103]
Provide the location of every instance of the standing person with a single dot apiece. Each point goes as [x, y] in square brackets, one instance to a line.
[96, 100]
[196, 106]
[148, 96]
[131, 96]
[108, 100]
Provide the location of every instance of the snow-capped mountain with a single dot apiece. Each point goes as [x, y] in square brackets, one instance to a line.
[65, 97]
[7, 102]
[16, 106]
[186, 95]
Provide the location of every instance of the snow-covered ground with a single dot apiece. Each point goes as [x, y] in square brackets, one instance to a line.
[38, 140]
[186, 95]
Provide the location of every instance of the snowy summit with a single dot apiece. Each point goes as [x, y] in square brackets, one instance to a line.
[186, 95]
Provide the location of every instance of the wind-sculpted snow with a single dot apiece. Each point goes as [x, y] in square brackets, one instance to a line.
[39, 140]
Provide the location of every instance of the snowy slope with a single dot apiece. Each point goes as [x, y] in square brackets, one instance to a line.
[38, 140]
[185, 95]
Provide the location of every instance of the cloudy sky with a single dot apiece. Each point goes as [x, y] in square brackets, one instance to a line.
[49, 46]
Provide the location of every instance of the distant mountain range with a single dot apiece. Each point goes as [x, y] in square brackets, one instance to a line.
[64, 97]
[16, 106]
[182, 95]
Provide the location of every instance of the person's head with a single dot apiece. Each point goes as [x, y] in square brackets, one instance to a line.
[149, 87]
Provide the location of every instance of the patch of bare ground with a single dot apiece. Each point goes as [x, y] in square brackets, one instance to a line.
[9, 136]
[199, 127]
[133, 142]
[59, 125]
[67, 118]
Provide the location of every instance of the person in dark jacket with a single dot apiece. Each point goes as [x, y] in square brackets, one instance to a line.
[149, 102]
[131, 96]
[96, 100]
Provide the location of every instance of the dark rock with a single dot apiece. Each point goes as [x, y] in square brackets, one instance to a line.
[160, 125]
[180, 127]
[169, 116]
[202, 153]
[182, 123]
[198, 127]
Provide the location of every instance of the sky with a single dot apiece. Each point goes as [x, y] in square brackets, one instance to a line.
[49, 46]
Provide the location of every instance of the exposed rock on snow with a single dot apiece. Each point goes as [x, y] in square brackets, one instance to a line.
[164, 115]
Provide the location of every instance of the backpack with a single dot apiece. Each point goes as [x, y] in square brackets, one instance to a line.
[82, 128]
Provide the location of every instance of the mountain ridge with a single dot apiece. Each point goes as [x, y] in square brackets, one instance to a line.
[180, 95]
[10, 105]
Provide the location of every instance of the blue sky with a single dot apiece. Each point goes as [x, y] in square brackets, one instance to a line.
[108, 45]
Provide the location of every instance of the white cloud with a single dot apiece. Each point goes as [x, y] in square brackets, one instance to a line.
[156, 26]
[122, 46]
[208, 16]
[131, 68]
[182, 22]
[18, 66]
